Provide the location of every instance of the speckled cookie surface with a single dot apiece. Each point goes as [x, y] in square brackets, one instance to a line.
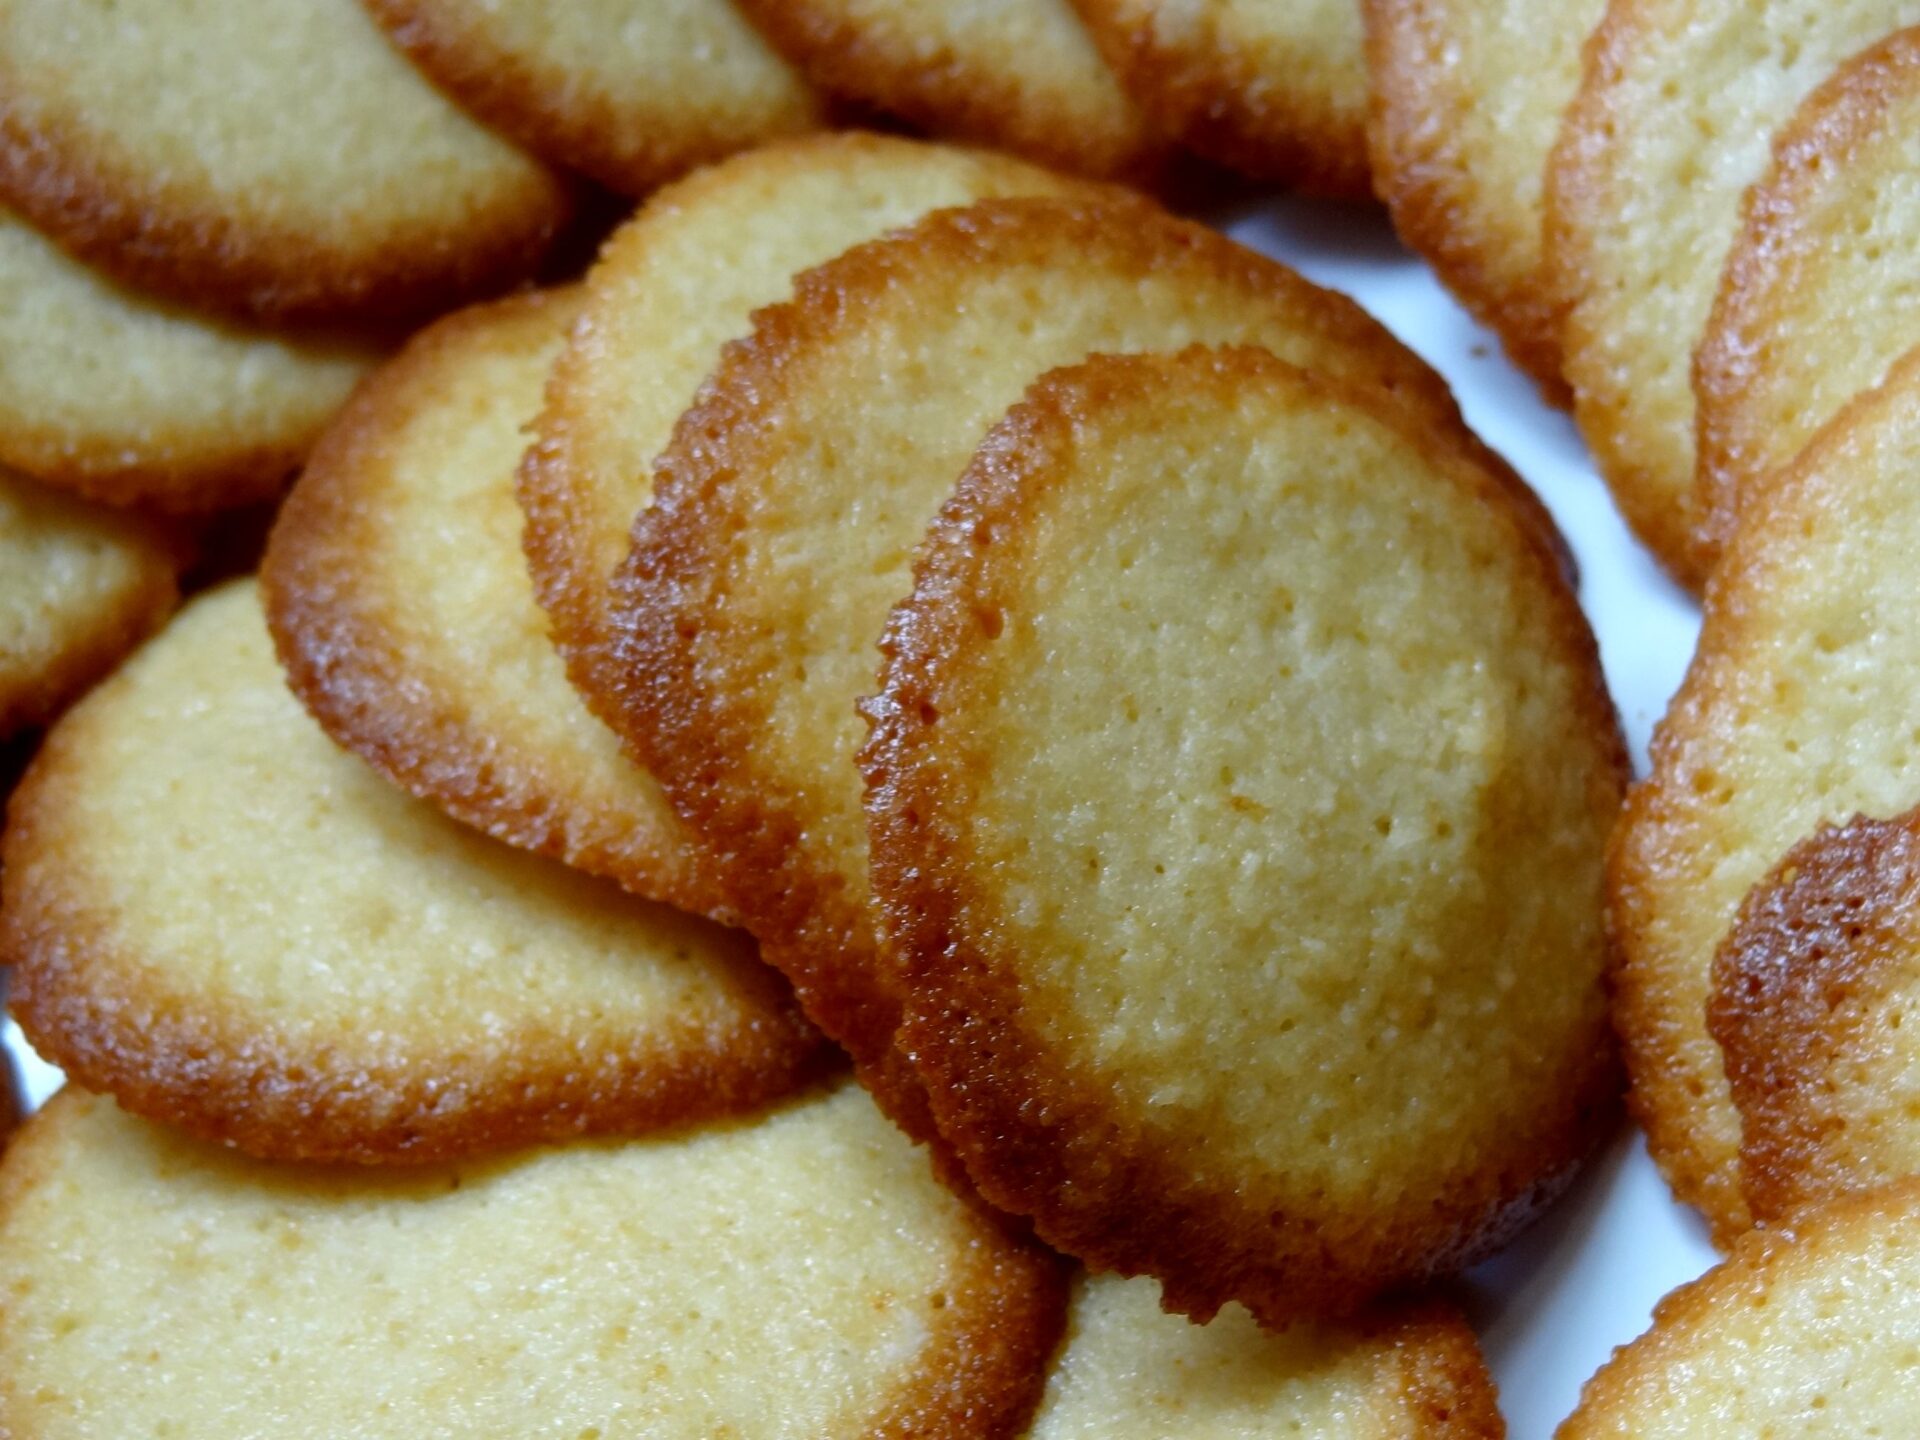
[1796, 711]
[1672, 122]
[1819, 294]
[1467, 97]
[1284, 1024]
[79, 587]
[1274, 88]
[281, 161]
[230, 924]
[399, 599]
[631, 92]
[1019, 75]
[794, 1276]
[793, 494]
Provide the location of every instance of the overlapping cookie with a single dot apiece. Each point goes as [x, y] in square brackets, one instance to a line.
[1467, 98]
[632, 95]
[794, 491]
[1279, 1023]
[1671, 124]
[229, 924]
[1797, 711]
[398, 595]
[79, 587]
[1276, 89]
[288, 164]
[1809, 1331]
[1817, 298]
[1020, 75]
[799, 1274]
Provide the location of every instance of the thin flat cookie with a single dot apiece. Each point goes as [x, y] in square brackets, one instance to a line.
[672, 287]
[1276, 89]
[283, 161]
[1467, 101]
[1677, 103]
[1287, 1025]
[1796, 712]
[79, 588]
[1020, 75]
[631, 92]
[399, 600]
[797, 1276]
[229, 924]
[1818, 297]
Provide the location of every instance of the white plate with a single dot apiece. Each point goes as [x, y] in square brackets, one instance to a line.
[1552, 1308]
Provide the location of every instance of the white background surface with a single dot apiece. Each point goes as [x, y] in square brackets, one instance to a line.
[1551, 1309]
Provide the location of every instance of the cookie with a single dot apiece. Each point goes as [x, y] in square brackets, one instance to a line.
[789, 503]
[79, 587]
[293, 167]
[799, 1274]
[1466, 103]
[1276, 89]
[632, 95]
[229, 924]
[1814, 303]
[133, 401]
[1019, 75]
[1670, 126]
[1130, 1369]
[1795, 712]
[398, 596]
[1807, 1331]
[1377, 1034]
[671, 288]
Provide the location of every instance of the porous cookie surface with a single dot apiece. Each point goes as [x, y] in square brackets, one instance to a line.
[1020, 75]
[1279, 1024]
[1796, 711]
[79, 587]
[1812, 989]
[631, 92]
[672, 287]
[1809, 1331]
[1130, 1369]
[1467, 101]
[131, 400]
[291, 165]
[795, 490]
[1274, 88]
[1819, 292]
[398, 595]
[797, 1275]
[230, 924]
[1671, 124]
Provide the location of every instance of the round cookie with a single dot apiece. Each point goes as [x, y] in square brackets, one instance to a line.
[1020, 75]
[229, 924]
[1276, 89]
[1128, 1369]
[1796, 711]
[632, 94]
[800, 1274]
[1808, 1331]
[1467, 101]
[790, 500]
[132, 401]
[673, 286]
[1670, 126]
[1288, 1025]
[79, 587]
[398, 597]
[294, 167]
[1817, 298]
